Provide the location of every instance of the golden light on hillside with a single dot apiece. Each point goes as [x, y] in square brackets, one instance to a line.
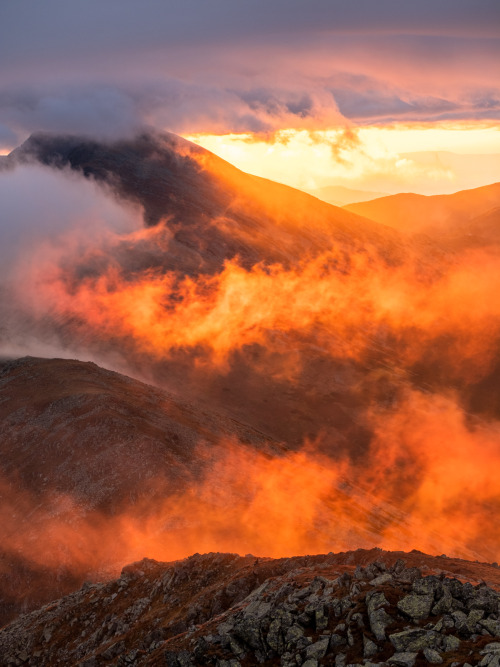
[367, 158]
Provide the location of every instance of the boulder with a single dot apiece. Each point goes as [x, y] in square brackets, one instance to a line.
[378, 617]
[405, 659]
[432, 656]
[416, 606]
[414, 640]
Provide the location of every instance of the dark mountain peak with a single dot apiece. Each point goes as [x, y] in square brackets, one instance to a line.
[214, 211]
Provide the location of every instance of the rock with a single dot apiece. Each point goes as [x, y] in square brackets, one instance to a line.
[494, 647]
[409, 575]
[444, 605]
[432, 656]
[473, 619]
[236, 647]
[428, 586]
[310, 662]
[337, 640]
[340, 659]
[416, 606]
[414, 640]
[321, 619]
[403, 659]
[382, 579]
[398, 566]
[358, 619]
[293, 634]
[491, 625]
[318, 649]
[275, 636]
[248, 629]
[484, 598]
[369, 647]
[378, 617]
[257, 608]
[460, 620]
[451, 643]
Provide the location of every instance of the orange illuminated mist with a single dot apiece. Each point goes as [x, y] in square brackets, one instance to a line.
[370, 351]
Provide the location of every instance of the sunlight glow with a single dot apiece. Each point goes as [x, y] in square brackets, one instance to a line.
[428, 159]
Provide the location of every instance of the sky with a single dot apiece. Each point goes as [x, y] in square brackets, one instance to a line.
[292, 90]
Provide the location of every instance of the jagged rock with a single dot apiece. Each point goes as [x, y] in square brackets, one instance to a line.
[369, 647]
[432, 656]
[445, 604]
[416, 606]
[405, 659]
[318, 649]
[337, 640]
[491, 625]
[414, 640]
[340, 660]
[460, 620]
[293, 634]
[263, 627]
[485, 599]
[428, 586]
[321, 618]
[451, 643]
[378, 617]
[275, 636]
[398, 566]
[235, 646]
[409, 575]
[310, 662]
[357, 618]
[382, 579]
[494, 648]
[248, 630]
[474, 617]
[490, 660]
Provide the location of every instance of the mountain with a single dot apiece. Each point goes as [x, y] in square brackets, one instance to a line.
[322, 381]
[443, 216]
[212, 211]
[201, 214]
[362, 607]
[81, 448]
[338, 195]
[99, 469]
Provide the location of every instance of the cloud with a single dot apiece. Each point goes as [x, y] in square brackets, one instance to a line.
[42, 205]
[192, 67]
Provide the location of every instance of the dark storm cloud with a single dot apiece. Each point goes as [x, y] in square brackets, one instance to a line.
[107, 67]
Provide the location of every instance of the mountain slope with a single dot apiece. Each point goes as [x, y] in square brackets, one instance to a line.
[437, 215]
[210, 211]
[338, 195]
[222, 609]
[84, 449]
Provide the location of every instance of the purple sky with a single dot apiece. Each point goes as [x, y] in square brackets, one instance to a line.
[106, 67]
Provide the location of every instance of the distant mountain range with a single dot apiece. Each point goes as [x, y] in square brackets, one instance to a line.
[457, 219]
[338, 195]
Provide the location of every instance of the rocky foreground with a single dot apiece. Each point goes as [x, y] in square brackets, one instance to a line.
[356, 608]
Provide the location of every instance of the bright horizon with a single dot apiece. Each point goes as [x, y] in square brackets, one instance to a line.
[388, 159]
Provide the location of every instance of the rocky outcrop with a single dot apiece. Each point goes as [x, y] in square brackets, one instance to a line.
[228, 611]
